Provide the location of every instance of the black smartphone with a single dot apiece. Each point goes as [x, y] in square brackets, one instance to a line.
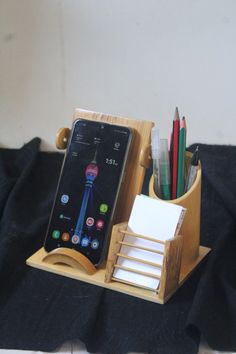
[88, 188]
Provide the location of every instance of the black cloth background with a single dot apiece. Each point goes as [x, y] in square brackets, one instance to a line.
[40, 310]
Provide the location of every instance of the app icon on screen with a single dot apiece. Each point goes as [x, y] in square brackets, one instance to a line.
[75, 239]
[56, 234]
[95, 244]
[85, 242]
[103, 208]
[64, 198]
[65, 236]
[90, 221]
[99, 224]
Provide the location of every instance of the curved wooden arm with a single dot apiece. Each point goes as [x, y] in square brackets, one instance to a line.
[71, 258]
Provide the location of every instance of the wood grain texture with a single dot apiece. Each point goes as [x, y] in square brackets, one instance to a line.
[71, 258]
[36, 261]
[171, 267]
[115, 246]
[191, 225]
[62, 138]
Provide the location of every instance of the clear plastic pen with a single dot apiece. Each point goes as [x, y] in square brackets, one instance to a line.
[164, 169]
[155, 146]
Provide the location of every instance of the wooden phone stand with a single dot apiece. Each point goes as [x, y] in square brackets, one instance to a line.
[138, 161]
[181, 254]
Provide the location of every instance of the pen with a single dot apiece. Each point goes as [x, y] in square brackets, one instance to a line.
[181, 158]
[174, 168]
[156, 160]
[192, 172]
[164, 169]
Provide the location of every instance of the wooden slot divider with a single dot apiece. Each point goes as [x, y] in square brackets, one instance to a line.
[114, 248]
[140, 247]
[151, 275]
[133, 284]
[139, 260]
[130, 233]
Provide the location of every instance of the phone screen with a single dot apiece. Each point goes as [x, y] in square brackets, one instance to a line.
[88, 188]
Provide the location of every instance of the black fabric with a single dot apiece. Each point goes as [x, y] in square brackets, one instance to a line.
[213, 311]
[40, 310]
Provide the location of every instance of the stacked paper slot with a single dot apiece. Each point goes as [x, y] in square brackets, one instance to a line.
[140, 258]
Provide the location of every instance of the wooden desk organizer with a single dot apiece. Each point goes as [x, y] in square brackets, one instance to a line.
[180, 256]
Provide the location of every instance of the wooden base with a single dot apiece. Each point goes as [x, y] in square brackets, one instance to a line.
[37, 261]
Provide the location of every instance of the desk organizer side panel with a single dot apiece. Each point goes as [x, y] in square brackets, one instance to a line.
[190, 228]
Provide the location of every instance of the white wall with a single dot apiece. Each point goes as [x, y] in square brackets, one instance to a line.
[138, 58]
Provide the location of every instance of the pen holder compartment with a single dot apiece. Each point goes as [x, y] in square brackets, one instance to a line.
[190, 228]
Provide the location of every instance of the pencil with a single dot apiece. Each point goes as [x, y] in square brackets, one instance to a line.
[181, 158]
[174, 169]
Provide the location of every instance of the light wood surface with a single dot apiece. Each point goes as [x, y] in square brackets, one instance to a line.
[36, 261]
[71, 258]
[62, 138]
[127, 232]
[140, 247]
[191, 225]
[122, 255]
[115, 246]
[134, 270]
[171, 267]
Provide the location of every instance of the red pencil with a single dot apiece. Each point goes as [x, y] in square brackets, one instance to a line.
[174, 169]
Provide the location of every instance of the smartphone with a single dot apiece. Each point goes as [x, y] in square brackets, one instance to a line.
[88, 188]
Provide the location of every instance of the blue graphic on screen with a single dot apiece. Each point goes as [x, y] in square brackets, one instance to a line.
[91, 173]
